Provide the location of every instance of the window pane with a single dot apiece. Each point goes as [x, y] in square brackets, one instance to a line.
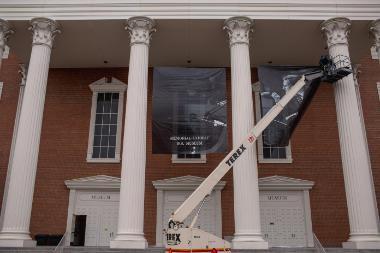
[111, 152]
[105, 130]
[107, 107]
[103, 152]
[193, 156]
[98, 129]
[115, 96]
[97, 140]
[99, 107]
[100, 97]
[115, 105]
[274, 153]
[98, 119]
[282, 153]
[104, 141]
[112, 141]
[95, 152]
[266, 152]
[107, 96]
[106, 118]
[113, 129]
[113, 118]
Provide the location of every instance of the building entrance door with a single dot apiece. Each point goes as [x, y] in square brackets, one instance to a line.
[283, 218]
[101, 212]
[79, 230]
[108, 224]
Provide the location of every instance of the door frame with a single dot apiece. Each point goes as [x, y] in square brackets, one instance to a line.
[280, 183]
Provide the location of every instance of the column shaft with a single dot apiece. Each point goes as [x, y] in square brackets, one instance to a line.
[131, 208]
[18, 205]
[245, 176]
[361, 200]
[15, 129]
[134, 151]
[356, 166]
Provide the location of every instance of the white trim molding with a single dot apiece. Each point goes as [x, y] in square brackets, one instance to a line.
[184, 183]
[193, 9]
[378, 88]
[260, 145]
[99, 86]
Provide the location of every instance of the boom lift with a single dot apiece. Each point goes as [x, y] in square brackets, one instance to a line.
[191, 239]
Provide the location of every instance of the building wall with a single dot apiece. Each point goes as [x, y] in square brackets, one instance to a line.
[369, 76]
[315, 150]
[8, 104]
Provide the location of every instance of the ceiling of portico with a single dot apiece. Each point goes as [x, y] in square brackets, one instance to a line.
[201, 43]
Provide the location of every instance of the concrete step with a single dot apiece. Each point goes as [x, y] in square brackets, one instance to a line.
[50, 249]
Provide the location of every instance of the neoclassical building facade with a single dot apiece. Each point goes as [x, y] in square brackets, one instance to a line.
[60, 176]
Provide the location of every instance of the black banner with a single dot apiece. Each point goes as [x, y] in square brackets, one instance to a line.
[275, 81]
[189, 110]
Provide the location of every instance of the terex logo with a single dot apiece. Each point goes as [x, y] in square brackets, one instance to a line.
[236, 155]
[173, 239]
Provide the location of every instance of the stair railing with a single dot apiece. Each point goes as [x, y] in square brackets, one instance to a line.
[318, 246]
[60, 246]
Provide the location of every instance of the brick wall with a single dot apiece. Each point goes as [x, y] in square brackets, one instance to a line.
[8, 105]
[315, 151]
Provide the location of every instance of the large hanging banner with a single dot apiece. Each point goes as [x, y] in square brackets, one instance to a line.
[189, 110]
[275, 81]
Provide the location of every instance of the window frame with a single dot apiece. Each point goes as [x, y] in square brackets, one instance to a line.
[260, 146]
[202, 159]
[102, 86]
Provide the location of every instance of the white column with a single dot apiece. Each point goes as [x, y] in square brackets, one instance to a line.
[22, 71]
[18, 206]
[5, 31]
[246, 190]
[360, 194]
[375, 31]
[130, 233]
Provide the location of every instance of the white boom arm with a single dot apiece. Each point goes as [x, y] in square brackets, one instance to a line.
[224, 166]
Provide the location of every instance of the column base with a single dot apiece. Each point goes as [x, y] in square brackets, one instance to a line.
[17, 243]
[16, 239]
[362, 241]
[129, 241]
[249, 242]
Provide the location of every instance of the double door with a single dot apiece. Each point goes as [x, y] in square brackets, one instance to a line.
[101, 211]
[283, 219]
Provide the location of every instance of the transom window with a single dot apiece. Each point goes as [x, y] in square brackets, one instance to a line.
[106, 120]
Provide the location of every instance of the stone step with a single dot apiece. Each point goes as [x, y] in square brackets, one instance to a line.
[50, 249]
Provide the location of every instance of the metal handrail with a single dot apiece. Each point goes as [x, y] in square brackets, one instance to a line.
[61, 244]
[317, 244]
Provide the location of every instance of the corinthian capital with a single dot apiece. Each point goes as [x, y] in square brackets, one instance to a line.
[140, 29]
[374, 28]
[336, 30]
[5, 31]
[44, 31]
[238, 29]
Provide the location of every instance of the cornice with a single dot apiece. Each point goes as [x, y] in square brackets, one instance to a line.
[194, 9]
